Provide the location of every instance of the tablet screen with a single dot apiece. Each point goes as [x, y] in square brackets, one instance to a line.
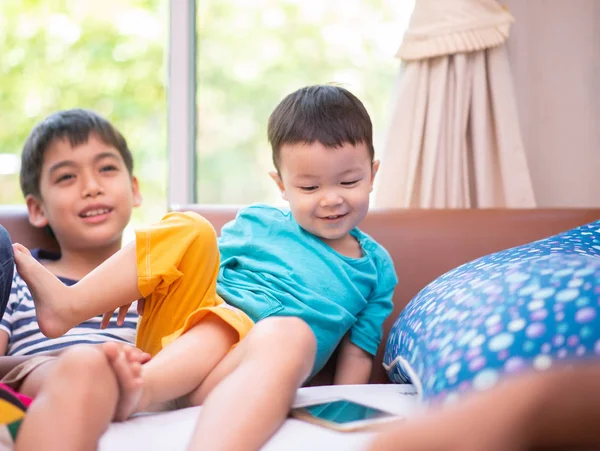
[344, 411]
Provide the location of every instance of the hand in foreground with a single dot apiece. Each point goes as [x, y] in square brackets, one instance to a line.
[481, 423]
[523, 412]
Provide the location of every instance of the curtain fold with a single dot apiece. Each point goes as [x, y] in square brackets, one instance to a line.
[453, 139]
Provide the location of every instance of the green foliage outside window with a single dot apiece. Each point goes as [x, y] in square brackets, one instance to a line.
[104, 55]
[111, 56]
[251, 53]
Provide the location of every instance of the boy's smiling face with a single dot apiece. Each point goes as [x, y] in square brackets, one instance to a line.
[328, 188]
[87, 194]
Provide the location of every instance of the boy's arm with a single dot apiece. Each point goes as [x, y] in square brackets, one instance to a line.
[3, 342]
[362, 341]
[357, 349]
[359, 346]
[354, 364]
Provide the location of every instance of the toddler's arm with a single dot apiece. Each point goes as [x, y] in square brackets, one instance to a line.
[354, 364]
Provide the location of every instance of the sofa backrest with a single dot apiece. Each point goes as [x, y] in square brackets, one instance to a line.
[423, 243]
[14, 218]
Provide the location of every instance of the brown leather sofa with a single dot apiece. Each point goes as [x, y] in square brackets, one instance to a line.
[423, 243]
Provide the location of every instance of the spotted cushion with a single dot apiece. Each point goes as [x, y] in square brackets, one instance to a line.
[526, 307]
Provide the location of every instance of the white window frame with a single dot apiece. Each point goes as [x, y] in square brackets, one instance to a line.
[181, 100]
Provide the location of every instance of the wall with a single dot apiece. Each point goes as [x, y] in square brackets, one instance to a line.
[554, 51]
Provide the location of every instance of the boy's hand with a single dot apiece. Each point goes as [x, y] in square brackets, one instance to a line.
[122, 313]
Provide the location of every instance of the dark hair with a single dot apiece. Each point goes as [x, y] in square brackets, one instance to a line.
[330, 115]
[76, 125]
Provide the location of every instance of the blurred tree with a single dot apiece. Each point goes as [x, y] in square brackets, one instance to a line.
[251, 53]
[108, 56]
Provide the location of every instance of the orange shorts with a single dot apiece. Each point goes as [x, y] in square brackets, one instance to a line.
[177, 264]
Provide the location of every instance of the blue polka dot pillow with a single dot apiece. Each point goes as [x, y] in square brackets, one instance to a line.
[527, 307]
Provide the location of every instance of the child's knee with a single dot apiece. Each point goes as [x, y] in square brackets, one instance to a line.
[83, 373]
[289, 335]
[83, 363]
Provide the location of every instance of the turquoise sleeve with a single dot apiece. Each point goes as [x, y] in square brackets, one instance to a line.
[367, 332]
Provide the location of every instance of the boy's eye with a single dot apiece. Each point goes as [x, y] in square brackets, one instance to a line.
[351, 183]
[308, 188]
[108, 167]
[64, 177]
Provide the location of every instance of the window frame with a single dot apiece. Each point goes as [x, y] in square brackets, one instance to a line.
[181, 103]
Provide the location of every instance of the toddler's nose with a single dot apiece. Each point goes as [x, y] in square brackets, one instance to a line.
[331, 199]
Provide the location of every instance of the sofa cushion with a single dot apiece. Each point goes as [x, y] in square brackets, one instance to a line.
[526, 307]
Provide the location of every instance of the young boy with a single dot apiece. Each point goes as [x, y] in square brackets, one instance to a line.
[76, 176]
[282, 269]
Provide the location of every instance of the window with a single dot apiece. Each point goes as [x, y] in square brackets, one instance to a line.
[111, 56]
[108, 56]
[251, 53]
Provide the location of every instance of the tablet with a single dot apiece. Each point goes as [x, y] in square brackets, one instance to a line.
[343, 415]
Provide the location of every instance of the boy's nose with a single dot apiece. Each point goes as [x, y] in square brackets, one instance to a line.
[330, 199]
[91, 188]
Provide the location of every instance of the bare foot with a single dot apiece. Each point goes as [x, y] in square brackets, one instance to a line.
[127, 362]
[49, 294]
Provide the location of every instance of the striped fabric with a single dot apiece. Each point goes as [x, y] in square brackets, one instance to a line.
[25, 337]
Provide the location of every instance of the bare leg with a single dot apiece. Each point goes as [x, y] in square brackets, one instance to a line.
[74, 406]
[182, 366]
[33, 383]
[60, 308]
[262, 374]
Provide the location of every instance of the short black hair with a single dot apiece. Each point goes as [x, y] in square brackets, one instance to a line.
[76, 125]
[328, 114]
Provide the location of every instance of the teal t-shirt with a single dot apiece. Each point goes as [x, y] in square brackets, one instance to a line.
[270, 266]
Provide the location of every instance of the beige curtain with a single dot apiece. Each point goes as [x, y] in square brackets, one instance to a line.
[454, 139]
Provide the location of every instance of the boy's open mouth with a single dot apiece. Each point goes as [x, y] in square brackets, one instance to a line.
[333, 217]
[95, 212]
